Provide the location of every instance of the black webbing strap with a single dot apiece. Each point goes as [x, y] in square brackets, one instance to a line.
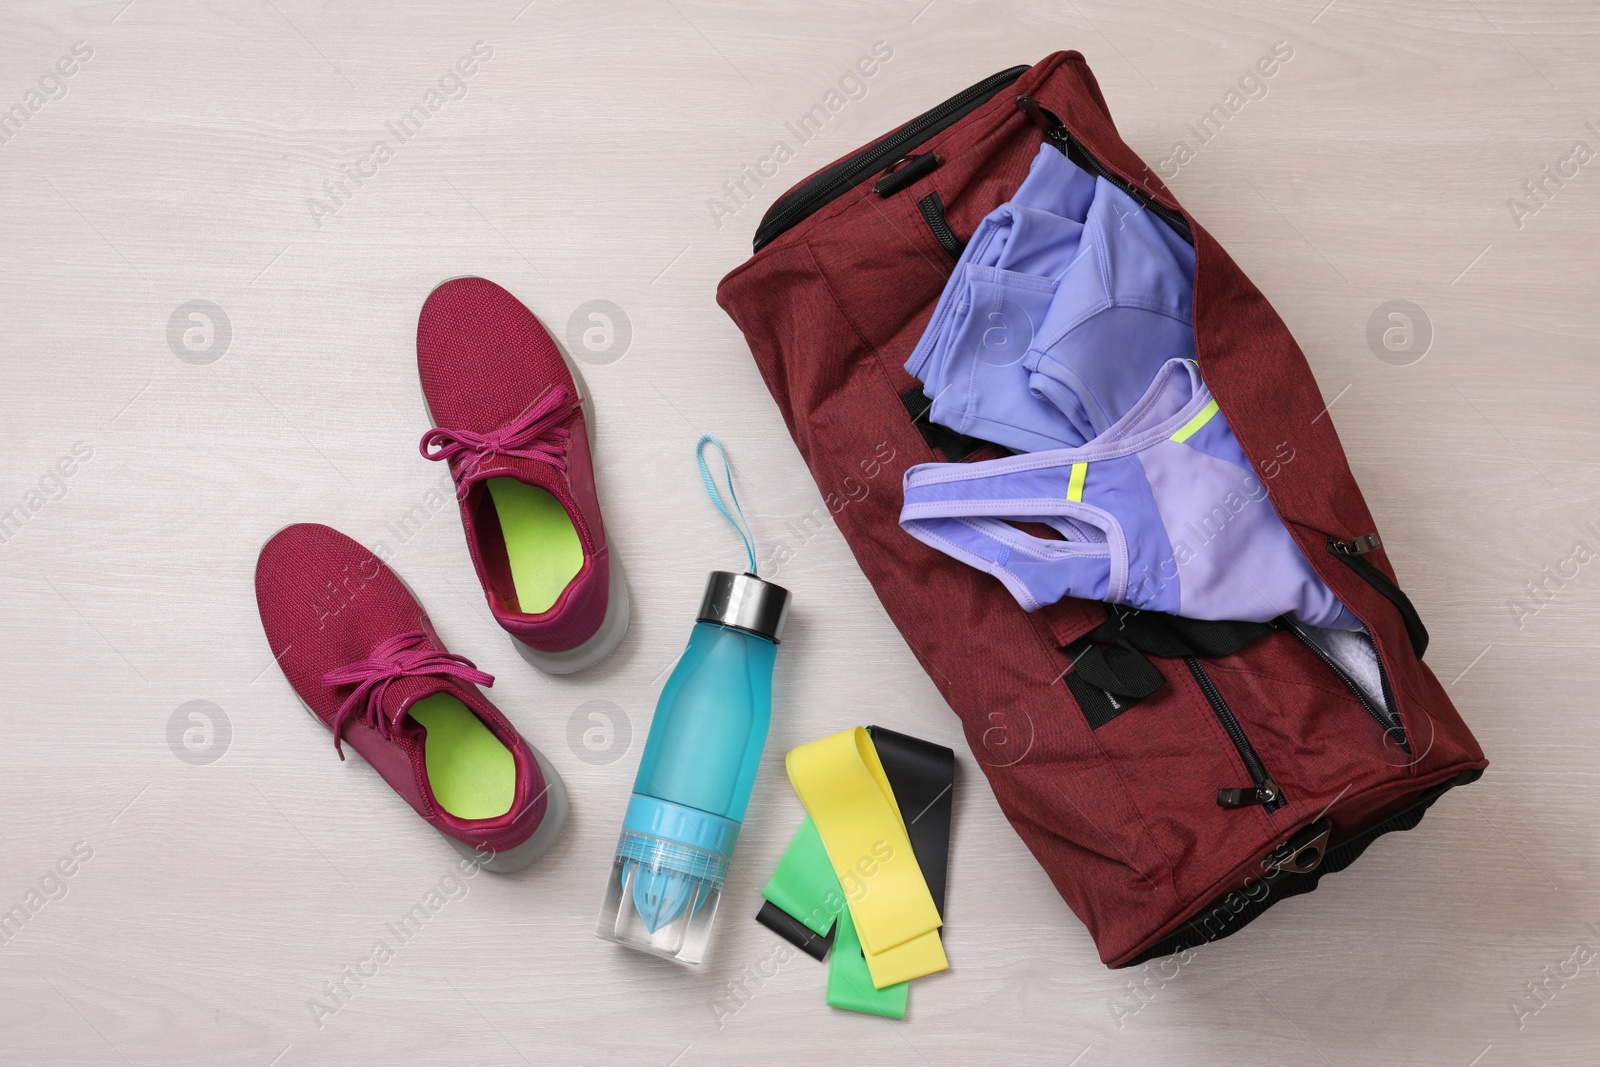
[1107, 680]
[1111, 671]
[1156, 633]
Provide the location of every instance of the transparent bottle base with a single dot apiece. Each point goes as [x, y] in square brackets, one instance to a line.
[661, 897]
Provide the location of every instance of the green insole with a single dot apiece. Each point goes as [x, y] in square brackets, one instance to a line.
[472, 773]
[541, 543]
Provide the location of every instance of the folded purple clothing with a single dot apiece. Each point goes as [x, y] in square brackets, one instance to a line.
[1063, 306]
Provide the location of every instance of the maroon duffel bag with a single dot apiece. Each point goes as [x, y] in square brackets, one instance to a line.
[1174, 778]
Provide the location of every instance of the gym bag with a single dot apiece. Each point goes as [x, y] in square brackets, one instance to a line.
[1175, 778]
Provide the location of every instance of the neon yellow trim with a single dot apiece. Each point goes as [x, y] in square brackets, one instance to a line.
[847, 794]
[1192, 427]
[1080, 471]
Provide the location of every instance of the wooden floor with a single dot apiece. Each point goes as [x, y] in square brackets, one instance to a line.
[215, 339]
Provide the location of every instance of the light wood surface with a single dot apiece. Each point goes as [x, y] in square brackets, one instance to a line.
[580, 165]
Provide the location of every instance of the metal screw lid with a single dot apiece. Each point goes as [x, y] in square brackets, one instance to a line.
[745, 602]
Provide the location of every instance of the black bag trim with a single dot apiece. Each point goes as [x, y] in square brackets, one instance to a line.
[826, 187]
[1156, 633]
[1234, 910]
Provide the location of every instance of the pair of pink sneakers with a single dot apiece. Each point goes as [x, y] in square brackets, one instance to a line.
[517, 433]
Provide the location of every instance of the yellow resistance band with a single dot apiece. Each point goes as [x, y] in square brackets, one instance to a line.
[843, 787]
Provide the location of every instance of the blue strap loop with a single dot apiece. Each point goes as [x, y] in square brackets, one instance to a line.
[746, 534]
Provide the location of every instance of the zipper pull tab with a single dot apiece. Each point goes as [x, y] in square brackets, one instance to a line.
[1356, 546]
[904, 172]
[1045, 119]
[1265, 793]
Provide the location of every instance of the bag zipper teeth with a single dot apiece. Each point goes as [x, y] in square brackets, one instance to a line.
[1236, 734]
[932, 210]
[1390, 721]
[1350, 552]
[857, 168]
[1057, 133]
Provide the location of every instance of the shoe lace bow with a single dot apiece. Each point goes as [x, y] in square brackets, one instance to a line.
[405, 655]
[536, 434]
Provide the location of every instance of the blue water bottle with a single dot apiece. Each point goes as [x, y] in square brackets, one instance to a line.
[699, 765]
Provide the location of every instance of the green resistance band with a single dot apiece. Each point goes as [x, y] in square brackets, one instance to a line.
[805, 887]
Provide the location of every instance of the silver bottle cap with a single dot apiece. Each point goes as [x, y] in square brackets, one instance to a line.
[746, 602]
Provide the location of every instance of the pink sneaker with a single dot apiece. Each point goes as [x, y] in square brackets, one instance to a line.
[518, 432]
[364, 660]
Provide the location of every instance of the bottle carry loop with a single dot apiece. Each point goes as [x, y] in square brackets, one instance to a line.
[741, 525]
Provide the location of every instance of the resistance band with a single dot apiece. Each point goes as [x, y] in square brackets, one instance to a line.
[850, 983]
[794, 931]
[804, 885]
[922, 775]
[842, 784]
[805, 892]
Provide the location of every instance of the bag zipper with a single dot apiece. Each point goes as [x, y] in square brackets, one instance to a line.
[1056, 133]
[1337, 856]
[1264, 791]
[932, 209]
[824, 188]
[835, 181]
[1387, 717]
[1350, 551]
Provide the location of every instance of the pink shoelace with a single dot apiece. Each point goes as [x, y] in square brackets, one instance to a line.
[403, 656]
[536, 434]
